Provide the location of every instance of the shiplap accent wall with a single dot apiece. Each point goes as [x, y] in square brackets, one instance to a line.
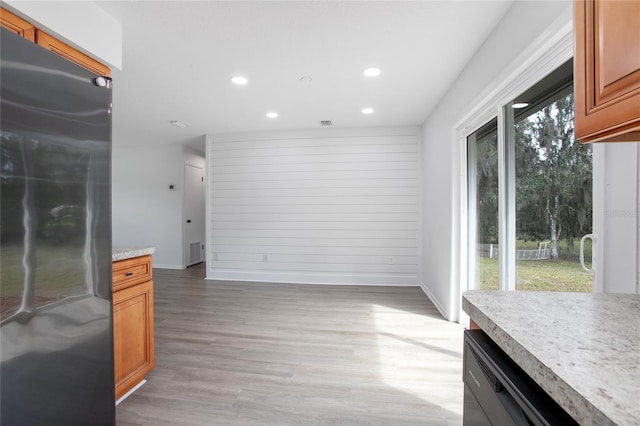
[320, 206]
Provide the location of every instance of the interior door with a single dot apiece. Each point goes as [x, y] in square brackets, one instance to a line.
[194, 229]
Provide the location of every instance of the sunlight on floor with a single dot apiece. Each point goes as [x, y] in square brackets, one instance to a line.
[409, 342]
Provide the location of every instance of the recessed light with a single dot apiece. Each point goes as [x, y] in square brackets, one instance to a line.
[239, 80]
[367, 110]
[371, 72]
[272, 115]
[178, 124]
[519, 105]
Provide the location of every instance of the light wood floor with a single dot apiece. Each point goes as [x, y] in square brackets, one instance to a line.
[231, 353]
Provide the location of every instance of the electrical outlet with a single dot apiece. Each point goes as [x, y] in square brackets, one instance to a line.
[392, 260]
[265, 258]
[215, 256]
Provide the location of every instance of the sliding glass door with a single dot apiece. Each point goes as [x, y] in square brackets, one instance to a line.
[530, 194]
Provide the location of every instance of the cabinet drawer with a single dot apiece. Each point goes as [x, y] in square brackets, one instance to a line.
[130, 272]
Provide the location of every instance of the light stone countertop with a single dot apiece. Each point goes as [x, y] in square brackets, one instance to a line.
[122, 253]
[581, 348]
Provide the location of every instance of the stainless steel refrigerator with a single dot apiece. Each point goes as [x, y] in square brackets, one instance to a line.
[56, 347]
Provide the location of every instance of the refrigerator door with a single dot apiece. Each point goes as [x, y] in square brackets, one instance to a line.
[56, 347]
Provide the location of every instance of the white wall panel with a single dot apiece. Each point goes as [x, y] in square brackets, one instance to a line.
[347, 251]
[221, 199]
[365, 157]
[311, 167]
[327, 225]
[314, 208]
[616, 240]
[258, 219]
[353, 243]
[336, 207]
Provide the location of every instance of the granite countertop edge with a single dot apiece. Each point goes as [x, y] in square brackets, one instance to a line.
[123, 253]
[580, 407]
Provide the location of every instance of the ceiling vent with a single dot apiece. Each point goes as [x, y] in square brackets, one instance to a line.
[178, 124]
[325, 123]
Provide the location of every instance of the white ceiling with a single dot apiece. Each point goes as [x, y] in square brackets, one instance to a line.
[179, 57]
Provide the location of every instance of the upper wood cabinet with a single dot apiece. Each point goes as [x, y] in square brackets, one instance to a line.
[25, 29]
[607, 70]
[56, 46]
[17, 25]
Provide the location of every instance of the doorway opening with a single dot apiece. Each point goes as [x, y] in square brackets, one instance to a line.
[194, 215]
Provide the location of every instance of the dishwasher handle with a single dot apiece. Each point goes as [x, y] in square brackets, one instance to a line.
[509, 404]
[513, 409]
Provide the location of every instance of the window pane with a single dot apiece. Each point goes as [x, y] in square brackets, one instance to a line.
[483, 205]
[553, 198]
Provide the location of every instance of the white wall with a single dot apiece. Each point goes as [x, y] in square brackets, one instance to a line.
[317, 206]
[522, 24]
[81, 24]
[616, 221]
[145, 212]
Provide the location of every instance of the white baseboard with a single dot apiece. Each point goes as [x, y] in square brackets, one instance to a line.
[132, 390]
[434, 300]
[163, 266]
[302, 278]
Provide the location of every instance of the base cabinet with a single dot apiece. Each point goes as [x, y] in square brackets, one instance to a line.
[132, 331]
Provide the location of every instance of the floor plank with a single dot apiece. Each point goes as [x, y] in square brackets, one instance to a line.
[241, 353]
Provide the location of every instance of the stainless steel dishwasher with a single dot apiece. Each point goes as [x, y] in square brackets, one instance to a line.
[497, 392]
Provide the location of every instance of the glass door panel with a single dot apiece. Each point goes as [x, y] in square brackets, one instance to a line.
[553, 188]
[482, 172]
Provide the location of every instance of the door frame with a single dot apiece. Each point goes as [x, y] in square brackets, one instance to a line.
[185, 239]
[550, 50]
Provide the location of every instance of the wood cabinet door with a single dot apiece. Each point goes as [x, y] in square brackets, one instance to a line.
[17, 25]
[132, 335]
[56, 46]
[607, 70]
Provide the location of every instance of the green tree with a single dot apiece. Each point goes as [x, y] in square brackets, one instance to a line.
[487, 188]
[553, 176]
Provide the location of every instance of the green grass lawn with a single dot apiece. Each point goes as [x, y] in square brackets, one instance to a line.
[542, 275]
